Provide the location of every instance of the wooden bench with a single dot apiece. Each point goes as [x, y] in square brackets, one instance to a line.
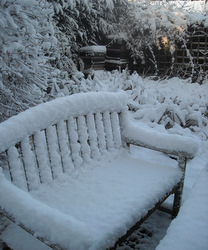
[68, 177]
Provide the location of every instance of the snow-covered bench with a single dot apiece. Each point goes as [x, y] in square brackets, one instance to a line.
[68, 177]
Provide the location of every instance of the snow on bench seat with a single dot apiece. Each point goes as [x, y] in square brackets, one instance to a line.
[97, 205]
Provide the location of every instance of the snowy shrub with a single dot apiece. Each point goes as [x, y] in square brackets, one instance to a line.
[27, 44]
[175, 105]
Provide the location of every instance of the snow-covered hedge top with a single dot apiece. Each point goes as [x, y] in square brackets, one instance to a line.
[28, 122]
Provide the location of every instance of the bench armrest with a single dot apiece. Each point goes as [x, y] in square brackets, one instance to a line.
[167, 143]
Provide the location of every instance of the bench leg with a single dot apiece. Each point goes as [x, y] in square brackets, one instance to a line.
[179, 191]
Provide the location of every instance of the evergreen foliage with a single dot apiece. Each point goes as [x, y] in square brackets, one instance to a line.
[27, 44]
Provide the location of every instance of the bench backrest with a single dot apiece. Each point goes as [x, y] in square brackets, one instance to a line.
[59, 136]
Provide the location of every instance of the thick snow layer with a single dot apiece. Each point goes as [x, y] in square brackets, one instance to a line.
[94, 48]
[43, 115]
[140, 133]
[96, 205]
[44, 220]
[189, 231]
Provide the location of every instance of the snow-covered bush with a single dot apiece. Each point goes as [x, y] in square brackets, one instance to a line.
[176, 105]
[27, 43]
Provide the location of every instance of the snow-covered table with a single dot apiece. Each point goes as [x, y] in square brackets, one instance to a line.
[68, 177]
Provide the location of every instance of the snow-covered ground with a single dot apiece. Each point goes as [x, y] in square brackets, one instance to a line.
[171, 106]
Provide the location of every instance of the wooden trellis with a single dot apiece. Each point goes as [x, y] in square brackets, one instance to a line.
[190, 58]
[193, 56]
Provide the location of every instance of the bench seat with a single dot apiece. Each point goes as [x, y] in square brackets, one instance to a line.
[103, 200]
